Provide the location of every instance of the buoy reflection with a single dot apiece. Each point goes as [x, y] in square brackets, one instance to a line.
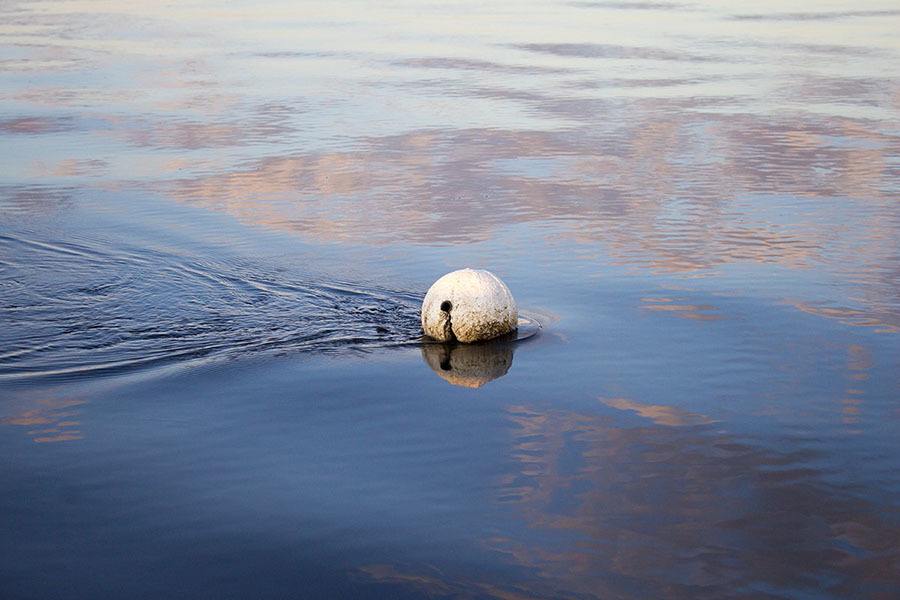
[471, 365]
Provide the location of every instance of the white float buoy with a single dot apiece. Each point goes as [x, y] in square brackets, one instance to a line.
[469, 306]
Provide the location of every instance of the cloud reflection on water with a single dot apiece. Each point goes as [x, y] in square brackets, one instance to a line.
[687, 194]
[49, 420]
[673, 508]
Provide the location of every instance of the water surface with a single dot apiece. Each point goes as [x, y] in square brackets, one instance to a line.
[217, 223]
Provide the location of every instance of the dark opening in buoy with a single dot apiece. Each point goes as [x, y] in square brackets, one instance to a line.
[446, 307]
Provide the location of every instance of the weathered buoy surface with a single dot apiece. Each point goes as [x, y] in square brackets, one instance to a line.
[468, 306]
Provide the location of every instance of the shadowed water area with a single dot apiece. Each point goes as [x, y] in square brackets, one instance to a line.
[218, 221]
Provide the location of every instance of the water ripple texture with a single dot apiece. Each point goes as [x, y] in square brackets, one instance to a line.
[80, 308]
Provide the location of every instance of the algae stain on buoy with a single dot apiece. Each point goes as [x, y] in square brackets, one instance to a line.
[469, 306]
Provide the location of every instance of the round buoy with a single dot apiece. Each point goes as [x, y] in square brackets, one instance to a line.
[468, 306]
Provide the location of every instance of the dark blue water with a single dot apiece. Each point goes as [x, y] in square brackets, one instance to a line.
[217, 224]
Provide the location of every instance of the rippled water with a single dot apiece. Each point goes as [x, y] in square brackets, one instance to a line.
[84, 308]
[217, 222]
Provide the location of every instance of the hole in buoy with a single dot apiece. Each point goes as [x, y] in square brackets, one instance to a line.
[446, 307]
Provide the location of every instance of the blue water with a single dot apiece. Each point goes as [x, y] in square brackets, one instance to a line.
[217, 223]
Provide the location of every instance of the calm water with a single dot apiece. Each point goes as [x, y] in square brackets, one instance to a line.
[217, 222]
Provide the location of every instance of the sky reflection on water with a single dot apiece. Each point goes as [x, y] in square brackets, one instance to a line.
[217, 222]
